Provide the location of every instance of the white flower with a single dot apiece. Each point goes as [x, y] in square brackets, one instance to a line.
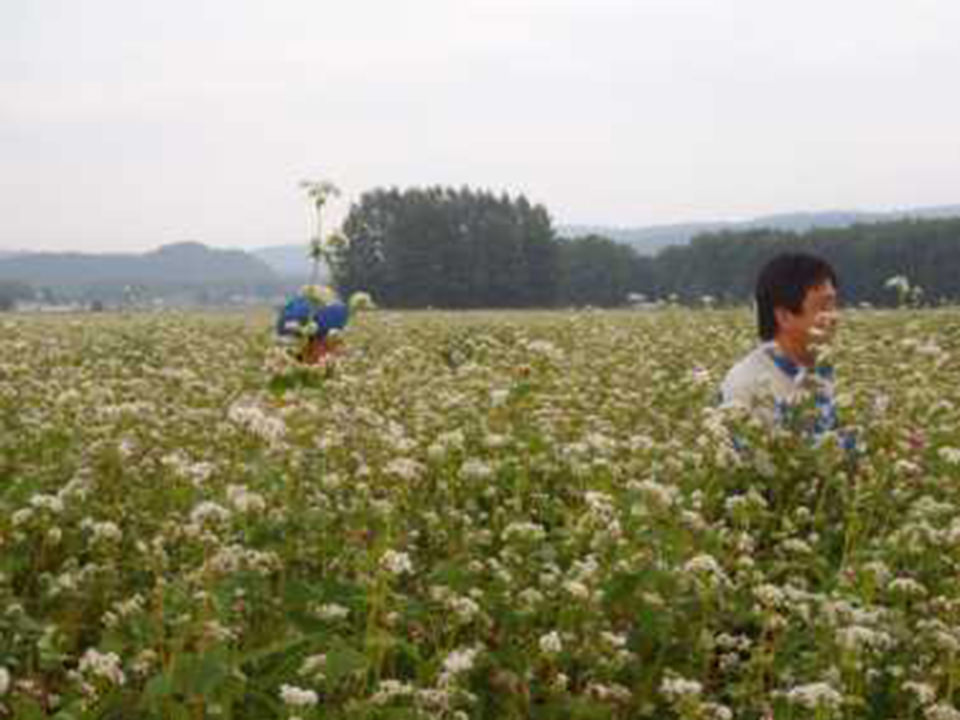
[255, 421]
[451, 440]
[103, 665]
[464, 608]
[404, 469]
[856, 638]
[676, 687]
[331, 611]
[898, 283]
[615, 640]
[908, 587]
[314, 666]
[599, 503]
[577, 589]
[941, 711]
[715, 711]
[609, 693]
[244, 501]
[390, 689]
[4, 681]
[475, 469]
[499, 397]
[460, 661]
[704, 564]
[544, 349]
[925, 692]
[208, 511]
[298, 697]
[530, 598]
[551, 644]
[655, 495]
[949, 455]
[47, 502]
[815, 695]
[360, 301]
[319, 294]
[396, 563]
[106, 531]
[523, 531]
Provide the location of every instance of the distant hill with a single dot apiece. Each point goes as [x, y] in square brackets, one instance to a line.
[187, 266]
[290, 261]
[650, 239]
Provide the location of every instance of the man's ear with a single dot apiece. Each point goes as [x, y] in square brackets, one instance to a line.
[783, 317]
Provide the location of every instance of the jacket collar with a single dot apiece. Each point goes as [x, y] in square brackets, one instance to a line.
[793, 370]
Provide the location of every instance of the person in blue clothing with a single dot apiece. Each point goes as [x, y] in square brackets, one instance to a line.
[314, 317]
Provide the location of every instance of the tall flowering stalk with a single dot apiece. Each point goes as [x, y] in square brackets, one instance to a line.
[907, 292]
[318, 192]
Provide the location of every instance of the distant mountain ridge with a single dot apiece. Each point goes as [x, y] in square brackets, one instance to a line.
[291, 262]
[192, 263]
[651, 239]
[186, 264]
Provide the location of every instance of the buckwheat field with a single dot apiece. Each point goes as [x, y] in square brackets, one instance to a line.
[477, 515]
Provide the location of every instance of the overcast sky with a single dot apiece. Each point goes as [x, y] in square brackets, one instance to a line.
[125, 124]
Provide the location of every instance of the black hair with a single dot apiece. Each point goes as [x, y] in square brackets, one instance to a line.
[784, 282]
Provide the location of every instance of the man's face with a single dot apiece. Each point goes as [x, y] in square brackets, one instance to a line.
[817, 319]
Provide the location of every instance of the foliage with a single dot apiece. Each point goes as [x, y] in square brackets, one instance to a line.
[596, 271]
[12, 291]
[515, 515]
[440, 247]
[448, 248]
[865, 256]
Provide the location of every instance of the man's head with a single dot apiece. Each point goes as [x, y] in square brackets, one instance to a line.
[796, 298]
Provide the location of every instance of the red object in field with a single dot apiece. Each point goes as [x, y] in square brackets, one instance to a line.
[317, 350]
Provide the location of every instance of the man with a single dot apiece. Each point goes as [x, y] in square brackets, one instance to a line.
[313, 319]
[796, 297]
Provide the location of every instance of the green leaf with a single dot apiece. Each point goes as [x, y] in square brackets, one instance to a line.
[25, 708]
[343, 661]
[278, 648]
[159, 687]
[213, 670]
[201, 674]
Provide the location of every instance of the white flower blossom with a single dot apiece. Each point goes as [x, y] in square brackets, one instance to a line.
[396, 563]
[298, 697]
[102, 665]
[460, 661]
[815, 696]
[551, 643]
[476, 470]
[676, 687]
[926, 694]
[331, 611]
[941, 711]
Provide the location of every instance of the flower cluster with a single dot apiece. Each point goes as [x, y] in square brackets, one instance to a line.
[477, 515]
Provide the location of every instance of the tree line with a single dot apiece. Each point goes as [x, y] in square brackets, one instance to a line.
[12, 292]
[461, 248]
[865, 257]
[464, 248]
